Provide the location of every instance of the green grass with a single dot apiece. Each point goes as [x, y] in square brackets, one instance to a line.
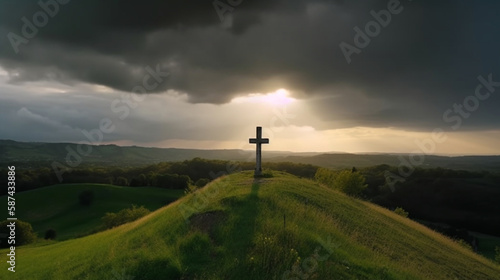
[237, 232]
[57, 207]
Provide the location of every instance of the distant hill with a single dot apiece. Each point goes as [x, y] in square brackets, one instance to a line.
[26, 152]
[274, 228]
[489, 163]
[36, 154]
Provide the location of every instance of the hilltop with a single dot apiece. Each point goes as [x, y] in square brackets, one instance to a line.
[234, 228]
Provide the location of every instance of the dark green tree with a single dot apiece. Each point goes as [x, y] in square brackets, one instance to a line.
[202, 182]
[348, 182]
[111, 220]
[121, 181]
[402, 212]
[51, 234]
[24, 233]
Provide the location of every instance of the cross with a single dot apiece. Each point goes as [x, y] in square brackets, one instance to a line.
[259, 141]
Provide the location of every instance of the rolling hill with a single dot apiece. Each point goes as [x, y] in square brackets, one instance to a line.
[30, 152]
[475, 163]
[271, 228]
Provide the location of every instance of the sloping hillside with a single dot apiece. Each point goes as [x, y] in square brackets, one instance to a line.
[235, 229]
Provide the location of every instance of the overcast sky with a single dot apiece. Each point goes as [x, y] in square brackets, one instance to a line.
[317, 75]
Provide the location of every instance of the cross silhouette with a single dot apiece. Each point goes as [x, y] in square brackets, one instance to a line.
[259, 141]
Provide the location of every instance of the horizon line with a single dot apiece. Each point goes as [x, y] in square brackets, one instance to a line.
[271, 151]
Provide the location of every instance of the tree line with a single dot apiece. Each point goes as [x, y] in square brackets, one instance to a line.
[173, 175]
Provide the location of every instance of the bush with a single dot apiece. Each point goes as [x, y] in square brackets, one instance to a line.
[50, 234]
[190, 189]
[112, 220]
[24, 233]
[202, 182]
[86, 197]
[348, 182]
[401, 212]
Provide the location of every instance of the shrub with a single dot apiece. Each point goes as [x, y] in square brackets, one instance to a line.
[50, 234]
[348, 182]
[111, 220]
[190, 189]
[401, 212]
[325, 176]
[202, 182]
[86, 197]
[24, 233]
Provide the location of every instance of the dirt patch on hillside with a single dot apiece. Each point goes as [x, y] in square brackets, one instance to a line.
[208, 221]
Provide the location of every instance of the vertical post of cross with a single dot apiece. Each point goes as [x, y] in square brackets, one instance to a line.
[258, 141]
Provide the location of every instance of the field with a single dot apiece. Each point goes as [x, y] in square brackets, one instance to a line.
[57, 207]
[273, 228]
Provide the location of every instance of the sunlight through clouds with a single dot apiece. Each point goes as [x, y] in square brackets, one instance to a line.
[278, 98]
[167, 120]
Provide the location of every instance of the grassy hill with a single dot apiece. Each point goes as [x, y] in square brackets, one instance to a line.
[235, 229]
[57, 207]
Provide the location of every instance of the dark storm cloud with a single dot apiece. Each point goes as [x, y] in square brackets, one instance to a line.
[426, 59]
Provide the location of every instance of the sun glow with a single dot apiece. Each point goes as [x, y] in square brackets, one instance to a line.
[277, 98]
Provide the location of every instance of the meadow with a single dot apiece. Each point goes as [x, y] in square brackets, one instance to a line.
[57, 207]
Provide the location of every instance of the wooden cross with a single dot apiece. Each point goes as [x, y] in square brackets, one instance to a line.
[259, 141]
